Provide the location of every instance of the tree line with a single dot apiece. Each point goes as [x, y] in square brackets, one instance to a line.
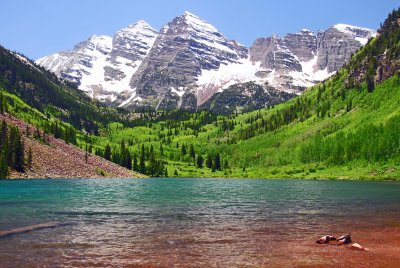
[12, 150]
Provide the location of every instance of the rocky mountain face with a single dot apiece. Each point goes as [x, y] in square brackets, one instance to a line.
[188, 61]
[183, 49]
[338, 43]
[245, 97]
[300, 60]
[102, 66]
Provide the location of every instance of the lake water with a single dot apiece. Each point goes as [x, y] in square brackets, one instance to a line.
[191, 222]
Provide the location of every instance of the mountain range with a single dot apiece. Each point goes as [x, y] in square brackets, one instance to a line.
[188, 63]
[344, 127]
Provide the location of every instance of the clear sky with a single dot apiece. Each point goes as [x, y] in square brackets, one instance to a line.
[40, 27]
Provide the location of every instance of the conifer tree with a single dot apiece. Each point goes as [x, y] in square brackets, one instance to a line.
[128, 159]
[3, 166]
[209, 161]
[29, 159]
[192, 153]
[86, 148]
[1, 103]
[142, 164]
[3, 134]
[183, 150]
[27, 132]
[217, 162]
[226, 165]
[200, 161]
[86, 154]
[135, 162]
[107, 152]
[152, 168]
[18, 148]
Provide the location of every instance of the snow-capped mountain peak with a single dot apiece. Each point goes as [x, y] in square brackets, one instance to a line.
[197, 23]
[102, 66]
[189, 60]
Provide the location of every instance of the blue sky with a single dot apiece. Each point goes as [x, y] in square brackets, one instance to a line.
[41, 27]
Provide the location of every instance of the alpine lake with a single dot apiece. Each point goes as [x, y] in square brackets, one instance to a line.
[170, 222]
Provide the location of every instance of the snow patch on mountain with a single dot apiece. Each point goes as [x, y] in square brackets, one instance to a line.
[359, 33]
[132, 98]
[180, 92]
[206, 34]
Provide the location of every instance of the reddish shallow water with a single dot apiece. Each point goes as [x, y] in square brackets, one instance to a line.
[198, 223]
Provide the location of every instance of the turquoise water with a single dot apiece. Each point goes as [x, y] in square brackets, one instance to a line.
[213, 222]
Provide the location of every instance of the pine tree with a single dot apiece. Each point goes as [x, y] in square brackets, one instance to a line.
[183, 150]
[27, 132]
[370, 83]
[217, 162]
[86, 148]
[3, 151]
[29, 159]
[161, 150]
[226, 165]
[209, 161]
[200, 161]
[142, 164]
[135, 162]
[128, 160]
[1, 103]
[192, 153]
[86, 154]
[3, 167]
[152, 168]
[3, 134]
[107, 152]
[18, 148]
[37, 135]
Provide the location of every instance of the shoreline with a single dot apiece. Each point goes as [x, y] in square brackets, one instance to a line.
[14, 177]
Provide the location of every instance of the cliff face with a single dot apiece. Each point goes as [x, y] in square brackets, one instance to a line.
[338, 43]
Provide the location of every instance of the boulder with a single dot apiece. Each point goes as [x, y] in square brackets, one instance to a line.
[326, 239]
[344, 239]
[357, 246]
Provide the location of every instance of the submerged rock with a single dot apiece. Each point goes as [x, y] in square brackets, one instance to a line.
[326, 239]
[344, 239]
[357, 246]
[329, 239]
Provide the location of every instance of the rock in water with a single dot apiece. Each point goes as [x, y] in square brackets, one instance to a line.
[357, 246]
[344, 239]
[326, 239]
